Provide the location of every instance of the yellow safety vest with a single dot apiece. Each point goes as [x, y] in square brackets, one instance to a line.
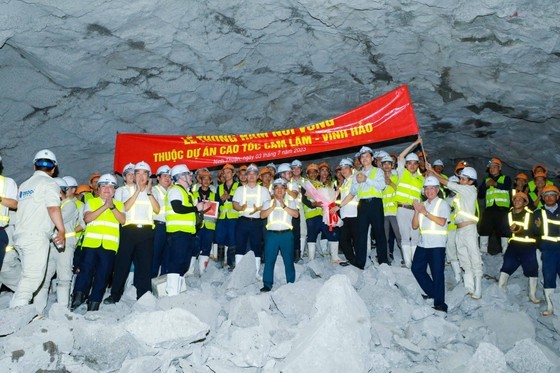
[409, 188]
[524, 224]
[371, 192]
[389, 201]
[207, 223]
[135, 220]
[279, 216]
[3, 218]
[179, 222]
[435, 229]
[451, 226]
[546, 231]
[161, 192]
[311, 212]
[495, 196]
[226, 208]
[463, 213]
[103, 231]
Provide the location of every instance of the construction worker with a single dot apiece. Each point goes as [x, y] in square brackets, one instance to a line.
[460, 166]
[8, 200]
[547, 223]
[496, 192]
[438, 167]
[409, 189]
[265, 175]
[538, 168]
[103, 216]
[180, 215]
[81, 192]
[60, 259]
[125, 191]
[465, 217]
[38, 213]
[313, 212]
[535, 196]
[248, 200]
[520, 182]
[137, 236]
[292, 193]
[93, 178]
[522, 247]
[390, 204]
[329, 232]
[77, 233]
[349, 214]
[368, 186]
[242, 174]
[451, 247]
[160, 258]
[298, 180]
[430, 218]
[357, 162]
[206, 232]
[279, 211]
[227, 220]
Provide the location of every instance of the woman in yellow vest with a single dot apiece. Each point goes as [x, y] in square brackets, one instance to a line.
[103, 215]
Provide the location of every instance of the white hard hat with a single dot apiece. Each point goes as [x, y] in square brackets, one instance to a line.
[279, 181]
[163, 170]
[143, 166]
[284, 167]
[61, 183]
[412, 157]
[357, 155]
[469, 172]
[179, 169]
[45, 155]
[346, 162]
[365, 149]
[387, 158]
[128, 168]
[431, 181]
[70, 181]
[382, 153]
[107, 179]
[438, 162]
[296, 163]
[454, 179]
[252, 168]
[271, 165]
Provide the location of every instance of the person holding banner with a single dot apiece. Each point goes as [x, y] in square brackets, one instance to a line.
[227, 220]
[248, 200]
[368, 186]
[409, 189]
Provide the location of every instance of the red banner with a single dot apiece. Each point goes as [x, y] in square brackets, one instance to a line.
[388, 117]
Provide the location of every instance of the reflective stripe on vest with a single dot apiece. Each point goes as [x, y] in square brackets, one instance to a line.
[463, 213]
[435, 229]
[180, 222]
[133, 211]
[546, 221]
[389, 202]
[409, 188]
[371, 192]
[495, 196]
[207, 223]
[523, 224]
[103, 231]
[226, 208]
[279, 216]
[3, 218]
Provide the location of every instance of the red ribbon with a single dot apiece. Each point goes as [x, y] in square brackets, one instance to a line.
[333, 217]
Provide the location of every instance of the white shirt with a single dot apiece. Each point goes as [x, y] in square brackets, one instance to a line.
[159, 193]
[467, 195]
[377, 182]
[141, 210]
[8, 191]
[255, 196]
[124, 192]
[350, 210]
[70, 215]
[279, 214]
[35, 195]
[429, 240]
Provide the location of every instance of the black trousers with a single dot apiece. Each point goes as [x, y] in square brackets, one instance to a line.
[136, 247]
[349, 239]
[370, 212]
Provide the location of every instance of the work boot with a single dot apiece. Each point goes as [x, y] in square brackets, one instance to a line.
[549, 310]
[468, 282]
[297, 255]
[221, 257]
[502, 282]
[407, 255]
[110, 300]
[333, 248]
[484, 244]
[456, 271]
[93, 306]
[190, 271]
[258, 267]
[504, 243]
[231, 258]
[202, 264]
[477, 288]
[533, 290]
[78, 298]
[311, 248]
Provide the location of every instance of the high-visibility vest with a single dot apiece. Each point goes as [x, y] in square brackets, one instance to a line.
[311, 212]
[451, 226]
[434, 229]
[534, 198]
[226, 208]
[495, 196]
[103, 231]
[532, 186]
[244, 194]
[370, 192]
[409, 188]
[88, 196]
[180, 222]
[131, 215]
[463, 213]
[279, 216]
[389, 201]
[207, 223]
[546, 229]
[3, 218]
[524, 224]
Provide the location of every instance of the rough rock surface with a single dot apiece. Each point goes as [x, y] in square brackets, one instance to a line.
[75, 74]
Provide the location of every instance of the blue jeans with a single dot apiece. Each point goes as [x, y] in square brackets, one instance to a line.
[434, 286]
[161, 251]
[96, 264]
[273, 242]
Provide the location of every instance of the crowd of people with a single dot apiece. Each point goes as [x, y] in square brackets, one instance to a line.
[174, 222]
